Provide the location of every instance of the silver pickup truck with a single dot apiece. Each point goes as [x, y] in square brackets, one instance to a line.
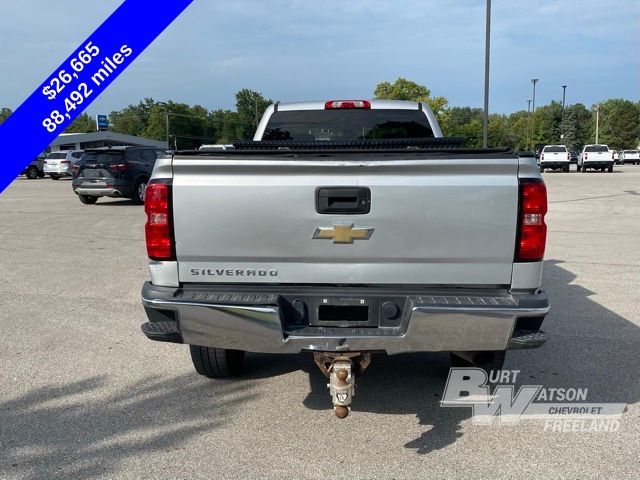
[343, 229]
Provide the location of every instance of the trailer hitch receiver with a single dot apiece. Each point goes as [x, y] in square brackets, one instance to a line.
[342, 369]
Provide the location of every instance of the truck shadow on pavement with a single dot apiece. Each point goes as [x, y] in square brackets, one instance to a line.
[88, 428]
[590, 347]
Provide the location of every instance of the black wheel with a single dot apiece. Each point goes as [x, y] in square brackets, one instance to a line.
[491, 360]
[55, 177]
[566, 168]
[87, 200]
[32, 172]
[610, 169]
[139, 190]
[541, 169]
[217, 362]
[584, 169]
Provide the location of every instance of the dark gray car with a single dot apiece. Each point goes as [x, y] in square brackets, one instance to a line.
[35, 169]
[114, 172]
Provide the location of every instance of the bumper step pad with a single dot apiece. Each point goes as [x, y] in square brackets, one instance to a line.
[528, 339]
[162, 331]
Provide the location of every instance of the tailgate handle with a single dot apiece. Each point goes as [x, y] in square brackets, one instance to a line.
[344, 200]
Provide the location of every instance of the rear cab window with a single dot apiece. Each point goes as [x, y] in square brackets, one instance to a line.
[555, 149]
[347, 124]
[596, 148]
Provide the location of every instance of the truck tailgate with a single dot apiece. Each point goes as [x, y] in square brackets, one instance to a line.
[436, 220]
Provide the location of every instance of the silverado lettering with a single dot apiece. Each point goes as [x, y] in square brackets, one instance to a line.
[238, 272]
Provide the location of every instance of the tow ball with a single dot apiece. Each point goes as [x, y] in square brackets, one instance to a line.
[342, 370]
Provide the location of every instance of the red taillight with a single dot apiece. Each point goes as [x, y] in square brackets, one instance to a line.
[568, 156]
[119, 167]
[334, 104]
[158, 227]
[64, 162]
[532, 231]
[44, 162]
[75, 168]
[542, 156]
[613, 156]
[585, 155]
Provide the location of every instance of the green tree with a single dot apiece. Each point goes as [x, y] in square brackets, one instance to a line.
[463, 122]
[189, 127]
[250, 106]
[576, 126]
[132, 119]
[4, 114]
[619, 123]
[519, 123]
[403, 89]
[82, 124]
[547, 120]
[229, 126]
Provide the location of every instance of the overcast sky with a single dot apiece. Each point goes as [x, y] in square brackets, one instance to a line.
[304, 50]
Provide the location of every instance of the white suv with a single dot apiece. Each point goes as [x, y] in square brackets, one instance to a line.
[58, 164]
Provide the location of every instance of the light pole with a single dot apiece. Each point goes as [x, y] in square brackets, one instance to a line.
[528, 120]
[487, 48]
[597, 121]
[564, 92]
[166, 123]
[533, 119]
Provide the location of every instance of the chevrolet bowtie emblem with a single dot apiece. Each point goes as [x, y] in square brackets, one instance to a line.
[343, 233]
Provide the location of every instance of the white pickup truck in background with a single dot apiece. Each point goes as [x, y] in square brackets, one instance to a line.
[555, 157]
[630, 156]
[597, 157]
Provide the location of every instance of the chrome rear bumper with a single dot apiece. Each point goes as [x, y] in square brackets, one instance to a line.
[255, 321]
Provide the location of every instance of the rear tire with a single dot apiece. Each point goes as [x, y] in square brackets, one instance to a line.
[566, 169]
[487, 361]
[541, 169]
[32, 173]
[610, 169]
[87, 200]
[139, 191]
[55, 177]
[584, 169]
[217, 362]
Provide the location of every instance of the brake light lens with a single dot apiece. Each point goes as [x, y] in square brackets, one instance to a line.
[158, 230]
[532, 231]
[613, 156]
[336, 104]
[585, 155]
[119, 167]
[75, 168]
[542, 156]
[64, 162]
[568, 156]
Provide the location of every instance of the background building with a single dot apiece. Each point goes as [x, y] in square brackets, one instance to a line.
[82, 141]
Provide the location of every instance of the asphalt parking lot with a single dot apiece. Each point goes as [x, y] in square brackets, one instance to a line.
[85, 394]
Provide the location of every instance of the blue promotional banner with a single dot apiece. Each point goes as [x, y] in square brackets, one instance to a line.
[81, 78]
